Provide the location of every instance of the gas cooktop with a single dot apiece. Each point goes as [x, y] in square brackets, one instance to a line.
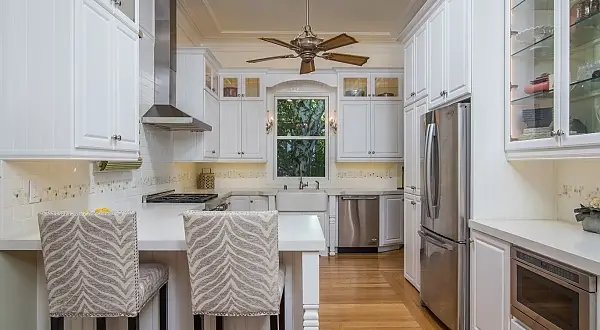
[179, 198]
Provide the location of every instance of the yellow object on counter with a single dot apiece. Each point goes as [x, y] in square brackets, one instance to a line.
[102, 210]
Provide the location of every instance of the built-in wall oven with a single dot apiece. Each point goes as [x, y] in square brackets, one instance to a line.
[547, 294]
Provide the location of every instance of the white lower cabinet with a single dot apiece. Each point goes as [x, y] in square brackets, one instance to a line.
[490, 283]
[248, 203]
[412, 240]
[391, 220]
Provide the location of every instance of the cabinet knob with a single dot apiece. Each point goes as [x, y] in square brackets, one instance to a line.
[243, 95]
[118, 3]
[369, 152]
[442, 93]
[553, 133]
[560, 132]
[413, 187]
[251, 201]
[114, 137]
[119, 138]
[373, 152]
[242, 152]
[413, 202]
[214, 151]
[239, 153]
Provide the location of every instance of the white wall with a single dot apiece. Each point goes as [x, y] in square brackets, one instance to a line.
[233, 55]
[500, 190]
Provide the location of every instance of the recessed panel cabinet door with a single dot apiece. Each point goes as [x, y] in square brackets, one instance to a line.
[94, 87]
[386, 132]
[409, 150]
[436, 78]
[127, 88]
[409, 71]
[230, 130]
[211, 116]
[393, 226]
[410, 235]
[457, 49]
[254, 135]
[420, 63]
[354, 129]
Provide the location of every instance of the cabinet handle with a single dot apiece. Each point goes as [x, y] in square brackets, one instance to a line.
[560, 132]
[118, 138]
[413, 202]
[413, 187]
[442, 93]
[445, 93]
[412, 94]
[118, 3]
[553, 134]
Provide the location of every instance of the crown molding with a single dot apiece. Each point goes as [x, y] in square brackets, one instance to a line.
[260, 46]
[419, 18]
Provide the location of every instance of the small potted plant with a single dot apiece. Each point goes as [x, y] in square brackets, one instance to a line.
[589, 215]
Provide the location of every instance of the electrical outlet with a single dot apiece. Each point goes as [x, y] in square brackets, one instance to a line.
[34, 193]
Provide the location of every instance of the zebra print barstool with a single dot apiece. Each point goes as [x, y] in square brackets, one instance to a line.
[91, 262]
[233, 259]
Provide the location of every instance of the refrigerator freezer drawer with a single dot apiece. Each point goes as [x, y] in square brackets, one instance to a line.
[444, 279]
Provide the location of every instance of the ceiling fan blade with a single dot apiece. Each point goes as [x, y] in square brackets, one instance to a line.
[346, 58]
[280, 43]
[307, 67]
[271, 58]
[336, 42]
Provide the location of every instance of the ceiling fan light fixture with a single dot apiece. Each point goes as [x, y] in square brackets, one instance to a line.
[308, 45]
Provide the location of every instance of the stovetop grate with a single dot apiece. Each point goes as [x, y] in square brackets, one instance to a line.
[182, 198]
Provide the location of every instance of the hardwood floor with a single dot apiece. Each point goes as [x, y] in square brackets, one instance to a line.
[368, 291]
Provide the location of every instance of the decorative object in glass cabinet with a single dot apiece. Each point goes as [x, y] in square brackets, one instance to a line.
[532, 69]
[355, 87]
[386, 87]
[230, 87]
[584, 89]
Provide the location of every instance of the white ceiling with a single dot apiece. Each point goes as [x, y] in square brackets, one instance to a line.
[366, 20]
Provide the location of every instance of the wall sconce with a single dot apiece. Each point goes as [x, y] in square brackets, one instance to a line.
[270, 122]
[333, 124]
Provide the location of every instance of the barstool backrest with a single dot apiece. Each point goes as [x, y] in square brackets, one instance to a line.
[91, 263]
[233, 259]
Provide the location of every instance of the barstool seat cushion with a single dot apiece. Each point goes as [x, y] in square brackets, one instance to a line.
[152, 278]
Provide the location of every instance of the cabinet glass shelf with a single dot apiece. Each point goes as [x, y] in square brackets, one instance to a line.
[578, 90]
[585, 31]
[518, 5]
[543, 47]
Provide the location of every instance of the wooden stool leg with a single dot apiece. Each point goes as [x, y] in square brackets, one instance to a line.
[57, 323]
[198, 322]
[219, 321]
[163, 296]
[282, 312]
[133, 323]
[101, 323]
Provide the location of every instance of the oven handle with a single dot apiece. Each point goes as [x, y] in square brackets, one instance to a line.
[587, 305]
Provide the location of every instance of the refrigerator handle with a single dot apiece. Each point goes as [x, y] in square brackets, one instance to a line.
[435, 170]
[428, 170]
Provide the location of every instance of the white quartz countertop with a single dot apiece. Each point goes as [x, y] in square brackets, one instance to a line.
[273, 191]
[564, 241]
[160, 228]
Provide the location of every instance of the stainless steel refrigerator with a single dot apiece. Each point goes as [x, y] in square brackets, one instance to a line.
[445, 213]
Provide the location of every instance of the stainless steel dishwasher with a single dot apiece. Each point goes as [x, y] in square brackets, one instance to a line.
[358, 224]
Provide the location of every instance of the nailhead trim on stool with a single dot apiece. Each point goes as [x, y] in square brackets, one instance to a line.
[237, 252]
[91, 263]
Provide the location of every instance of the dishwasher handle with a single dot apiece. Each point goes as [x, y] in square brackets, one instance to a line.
[359, 197]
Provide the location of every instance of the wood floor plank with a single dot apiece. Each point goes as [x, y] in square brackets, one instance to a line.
[369, 292]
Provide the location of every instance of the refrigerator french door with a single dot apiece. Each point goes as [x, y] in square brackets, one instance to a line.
[445, 213]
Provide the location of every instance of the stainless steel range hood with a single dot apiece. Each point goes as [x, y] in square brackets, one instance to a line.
[164, 114]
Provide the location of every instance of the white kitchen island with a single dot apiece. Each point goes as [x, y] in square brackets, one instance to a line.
[23, 300]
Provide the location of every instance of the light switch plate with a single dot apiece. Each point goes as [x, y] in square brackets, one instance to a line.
[34, 193]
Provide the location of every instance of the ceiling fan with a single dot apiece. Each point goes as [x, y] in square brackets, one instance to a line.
[307, 46]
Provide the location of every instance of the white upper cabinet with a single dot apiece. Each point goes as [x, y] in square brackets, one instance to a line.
[449, 52]
[361, 86]
[128, 11]
[212, 117]
[436, 24]
[420, 63]
[243, 133]
[415, 66]
[552, 68]
[71, 90]
[409, 71]
[370, 131]
[413, 135]
[245, 86]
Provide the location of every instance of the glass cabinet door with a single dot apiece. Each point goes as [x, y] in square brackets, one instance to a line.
[355, 87]
[532, 73]
[252, 87]
[127, 7]
[386, 87]
[208, 77]
[583, 118]
[230, 86]
[215, 81]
